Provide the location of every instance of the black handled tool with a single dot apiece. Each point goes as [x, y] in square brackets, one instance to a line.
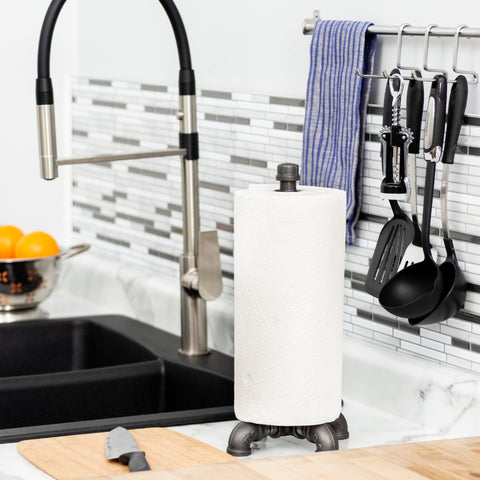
[415, 98]
[395, 140]
[454, 283]
[435, 121]
[415, 291]
[385, 132]
[398, 232]
[456, 112]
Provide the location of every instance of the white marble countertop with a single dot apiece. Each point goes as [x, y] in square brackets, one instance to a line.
[389, 398]
[368, 427]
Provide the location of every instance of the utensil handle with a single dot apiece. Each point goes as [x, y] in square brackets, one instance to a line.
[450, 249]
[136, 461]
[427, 207]
[444, 202]
[456, 111]
[74, 250]
[436, 112]
[412, 175]
[415, 98]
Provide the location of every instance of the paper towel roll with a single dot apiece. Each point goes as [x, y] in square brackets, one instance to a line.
[289, 278]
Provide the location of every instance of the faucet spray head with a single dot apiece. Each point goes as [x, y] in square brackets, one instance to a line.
[47, 141]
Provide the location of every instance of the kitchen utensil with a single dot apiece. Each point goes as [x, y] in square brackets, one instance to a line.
[120, 445]
[394, 139]
[455, 285]
[24, 283]
[414, 252]
[417, 290]
[83, 456]
[398, 232]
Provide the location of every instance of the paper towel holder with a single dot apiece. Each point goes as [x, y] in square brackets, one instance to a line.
[325, 435]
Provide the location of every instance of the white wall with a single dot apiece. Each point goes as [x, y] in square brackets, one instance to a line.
[252, 45]
[28, 201]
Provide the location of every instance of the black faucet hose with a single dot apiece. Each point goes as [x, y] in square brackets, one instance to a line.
[44, 84]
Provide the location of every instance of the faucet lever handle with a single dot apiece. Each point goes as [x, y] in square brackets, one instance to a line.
[209, 268]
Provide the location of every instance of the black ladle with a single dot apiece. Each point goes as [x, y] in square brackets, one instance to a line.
[416, 290]
[455, 285]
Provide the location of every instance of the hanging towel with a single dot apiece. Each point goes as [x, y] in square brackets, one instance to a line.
[336, 110]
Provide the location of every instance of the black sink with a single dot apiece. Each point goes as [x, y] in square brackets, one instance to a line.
[80, 375]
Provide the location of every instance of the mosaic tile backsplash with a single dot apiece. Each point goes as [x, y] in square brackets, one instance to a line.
[132, 210]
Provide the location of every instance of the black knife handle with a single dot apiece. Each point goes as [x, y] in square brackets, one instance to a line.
[136, 461]
[414, 111]
[456, 111]
[436, 113]
[388, 99]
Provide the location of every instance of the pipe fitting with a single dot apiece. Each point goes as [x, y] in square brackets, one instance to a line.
[242, 437]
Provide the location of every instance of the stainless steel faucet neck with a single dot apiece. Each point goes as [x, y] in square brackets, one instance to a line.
[200, 271]
[187, 114]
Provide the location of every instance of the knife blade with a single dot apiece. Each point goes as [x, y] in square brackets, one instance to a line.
[120, 445]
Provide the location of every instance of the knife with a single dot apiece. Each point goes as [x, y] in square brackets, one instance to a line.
[120, 445]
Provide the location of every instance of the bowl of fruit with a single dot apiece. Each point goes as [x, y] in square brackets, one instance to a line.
[29, 267]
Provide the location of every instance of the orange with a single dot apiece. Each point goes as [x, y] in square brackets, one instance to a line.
[9, 236]
[36, 244]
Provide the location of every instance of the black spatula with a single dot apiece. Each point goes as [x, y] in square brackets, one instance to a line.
[398, 233]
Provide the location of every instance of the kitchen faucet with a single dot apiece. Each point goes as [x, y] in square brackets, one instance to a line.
[200, 269]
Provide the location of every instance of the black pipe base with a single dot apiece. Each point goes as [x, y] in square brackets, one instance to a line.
[325, 436]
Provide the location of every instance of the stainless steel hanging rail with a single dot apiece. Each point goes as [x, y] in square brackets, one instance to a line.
[309, 24]
[406, 29]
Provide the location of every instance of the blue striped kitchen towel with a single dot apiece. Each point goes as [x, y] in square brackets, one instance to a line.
[336, 110]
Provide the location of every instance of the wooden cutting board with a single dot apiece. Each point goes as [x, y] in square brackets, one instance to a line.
[457, 459]
[83, 456]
